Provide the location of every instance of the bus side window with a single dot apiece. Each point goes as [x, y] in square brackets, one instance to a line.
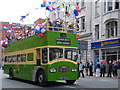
[18, 58]
[9, 58]
[44, 55]
[6, 59]
[14, 58]
[23, 57]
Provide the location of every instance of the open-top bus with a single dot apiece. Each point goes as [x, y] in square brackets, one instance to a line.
[43, 59]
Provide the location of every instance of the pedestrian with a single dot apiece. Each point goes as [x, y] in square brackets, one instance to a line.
[86, 67]
[115, 69]
[118, 68]
[109, 69]
[91, 68]
[102, 69]
[81, 69]
[98, 70]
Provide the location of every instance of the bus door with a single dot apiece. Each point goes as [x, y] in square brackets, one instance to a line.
[38, 58]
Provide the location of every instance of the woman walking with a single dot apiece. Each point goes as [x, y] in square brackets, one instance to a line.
[97, 70]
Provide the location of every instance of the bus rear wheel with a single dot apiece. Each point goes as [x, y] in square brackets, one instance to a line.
[41, 79]
[11, 73]
[70, 82]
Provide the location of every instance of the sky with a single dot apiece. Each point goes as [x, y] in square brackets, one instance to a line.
[12, 10]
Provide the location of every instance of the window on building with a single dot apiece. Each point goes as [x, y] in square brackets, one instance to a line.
[97, 8]
[44, 55]
[117, 4]
[110, 5]
[23, 57]
[83, 23]
[77, 25]
[111, 28]
[82, 3]
[96, 32]
[105, 6]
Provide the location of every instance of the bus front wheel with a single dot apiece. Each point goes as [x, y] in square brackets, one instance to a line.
[41, 79]
[70, 82]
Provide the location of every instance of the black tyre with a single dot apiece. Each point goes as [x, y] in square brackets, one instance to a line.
[11, 75]
[41, 79]
[70, 82]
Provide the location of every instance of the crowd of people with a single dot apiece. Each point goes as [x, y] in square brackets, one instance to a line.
[60, 25]
[102, 69]
[55, 25]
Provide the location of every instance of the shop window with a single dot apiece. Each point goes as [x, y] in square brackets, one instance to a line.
[6, 59]
[96, 32]
[23, 57]
[30, 57]
[18, 58]
[116, 4]
[112, 29]
[44, 55]
[110, 5]
[14, 58]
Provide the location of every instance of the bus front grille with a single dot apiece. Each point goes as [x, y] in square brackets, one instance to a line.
[63, 69]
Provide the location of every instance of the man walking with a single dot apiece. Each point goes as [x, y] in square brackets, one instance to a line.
[81, 69]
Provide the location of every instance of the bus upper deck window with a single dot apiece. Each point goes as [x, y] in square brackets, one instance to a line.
[44, 55]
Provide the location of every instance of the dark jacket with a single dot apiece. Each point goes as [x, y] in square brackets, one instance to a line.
[110, 67]
[98, 66]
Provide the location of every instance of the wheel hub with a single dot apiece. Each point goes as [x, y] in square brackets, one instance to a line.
[40, 78]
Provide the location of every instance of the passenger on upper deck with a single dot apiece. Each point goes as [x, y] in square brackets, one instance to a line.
[71, 26]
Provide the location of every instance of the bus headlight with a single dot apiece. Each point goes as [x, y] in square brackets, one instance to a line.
[74, 69]
[52, 70]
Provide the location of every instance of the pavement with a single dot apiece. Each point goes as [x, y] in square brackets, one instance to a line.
[1, 73]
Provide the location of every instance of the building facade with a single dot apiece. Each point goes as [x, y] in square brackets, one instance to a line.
[105, 30]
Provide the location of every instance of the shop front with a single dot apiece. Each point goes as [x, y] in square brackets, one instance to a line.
[107, 50]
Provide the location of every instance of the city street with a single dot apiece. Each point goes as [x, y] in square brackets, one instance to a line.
[87, 82]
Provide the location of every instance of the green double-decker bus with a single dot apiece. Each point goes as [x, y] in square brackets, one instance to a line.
[52, 57]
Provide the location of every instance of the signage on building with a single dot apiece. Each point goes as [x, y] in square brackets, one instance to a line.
[106, 43]
[82, 45]
[62, 41]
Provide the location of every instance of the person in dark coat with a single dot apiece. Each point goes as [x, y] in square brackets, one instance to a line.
[102, 69]
[91, 68]
[115, 66]
[109, 69]
[86, 67]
